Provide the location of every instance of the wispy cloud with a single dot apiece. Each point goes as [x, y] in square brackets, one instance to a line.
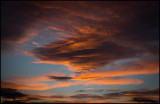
[39, 78]
[37, 86]
[100, 90]
[128, 96]
[120, 81]
[142, 66]
[91, 36]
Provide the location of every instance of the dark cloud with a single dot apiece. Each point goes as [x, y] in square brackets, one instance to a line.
[13, 102]
[85, 96]
[143, 30]
[143, 92]
[6, 48]
[113, 95]
[10, 93]
[32, 98]
[86, 58]
[136, 96]
[105, 90]
[144, 100]
[141, 96]
[99, 90]
[58, 96]
[60, 78]
[20, 21]
[81, 91]
[16, 23]
[114, 38]
[137, 93]
[116, 26]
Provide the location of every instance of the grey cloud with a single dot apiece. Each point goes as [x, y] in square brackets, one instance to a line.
[60, 78]
[84, 96]
[144, 100]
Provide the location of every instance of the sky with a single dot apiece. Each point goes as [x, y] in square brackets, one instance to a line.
[80, 51]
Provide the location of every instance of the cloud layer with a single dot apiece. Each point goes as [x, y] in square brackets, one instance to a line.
[103, 42]
[93, 46]
[127, 96]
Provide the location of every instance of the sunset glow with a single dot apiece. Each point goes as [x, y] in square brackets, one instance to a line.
[80, 52]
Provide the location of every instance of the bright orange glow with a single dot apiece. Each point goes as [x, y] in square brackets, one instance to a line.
[134, 70]
[121, 81]
[41, 78]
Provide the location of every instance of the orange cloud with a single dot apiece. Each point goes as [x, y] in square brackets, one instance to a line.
[121, 81]
[99, 36]
[101, 33]
[114, 73]
[37, 86]
[28, 86]
[144, 66]
[39, 82]
[35, 83]
[40, 78]
[122, 96]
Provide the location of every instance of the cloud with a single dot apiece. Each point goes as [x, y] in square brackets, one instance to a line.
[115, 31]
[121, 81]
[57, 96]
[81, 91]
[40, 82]
[113, 95]
[146, 65]
[17, 27]
[114, 38]
[85, 96]
[139, 96]
[11, 102]
[33, 98]
[9, 93]
[96, 34]
[39, 78]
[45, 86]
[143, 92]
[35, 43]
[85, 59]
[36, 85]
[132, 95]
[124, 96]
[60, 78]
[28, 86]
[69, 81]
[100, 90]
[144, 100]
[104, 18]
[152, 93]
